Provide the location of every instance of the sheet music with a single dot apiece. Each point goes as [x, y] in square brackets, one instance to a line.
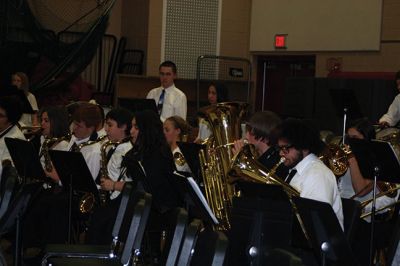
[203, 200]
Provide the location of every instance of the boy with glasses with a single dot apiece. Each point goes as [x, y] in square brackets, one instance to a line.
[299, 143]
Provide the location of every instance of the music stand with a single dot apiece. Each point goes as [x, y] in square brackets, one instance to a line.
[376, 160]
[74, 175]
[25, 159]
[191, 153]
[262, 220]
[190, 191]
[137, 104]
[325, 232]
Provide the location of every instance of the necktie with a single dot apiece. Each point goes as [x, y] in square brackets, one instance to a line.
[290, 176]
[161, 102]
[74, 148]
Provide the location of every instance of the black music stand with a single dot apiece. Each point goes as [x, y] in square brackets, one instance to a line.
[137, 104]
[377, 160]
[74, 175]
[194, 198]
[262, 221]
[191, 153]
[26, 159]
[325, 232]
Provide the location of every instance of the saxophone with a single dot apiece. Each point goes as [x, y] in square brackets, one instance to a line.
[104, 194]
[46, 146]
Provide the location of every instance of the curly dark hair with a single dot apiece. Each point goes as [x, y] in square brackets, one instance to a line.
[302, 134]
[12, 107]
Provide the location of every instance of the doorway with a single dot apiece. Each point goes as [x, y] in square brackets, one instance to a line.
[272, 73]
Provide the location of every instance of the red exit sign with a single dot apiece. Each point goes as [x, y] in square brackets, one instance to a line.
[280, 41]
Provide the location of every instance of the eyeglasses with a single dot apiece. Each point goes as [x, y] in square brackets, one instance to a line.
[285, 148]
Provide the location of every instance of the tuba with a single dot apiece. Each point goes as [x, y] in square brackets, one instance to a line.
[246, 167]
[215, 160]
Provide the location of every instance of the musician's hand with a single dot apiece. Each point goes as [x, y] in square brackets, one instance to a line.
[107, 184]
[237, 146]
[384, 124]
[52, 174]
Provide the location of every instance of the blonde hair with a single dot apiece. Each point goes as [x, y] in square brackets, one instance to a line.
[179, 123]
[24, 81]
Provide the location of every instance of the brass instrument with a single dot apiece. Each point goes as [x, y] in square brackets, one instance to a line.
[336, 158]
[104, 195]
[179, 159]
[246, 167]
[86, 199]
[386, 189]
[215, 160]
[47, 144]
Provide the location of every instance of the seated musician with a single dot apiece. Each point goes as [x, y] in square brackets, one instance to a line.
[355, 185]
[260, 131]
[299, 143]
[118, 126]
[85, 121]
[176, 129]
[392, 117]
[55, 133]
[217, 93]
[47, 220]
[10, 113]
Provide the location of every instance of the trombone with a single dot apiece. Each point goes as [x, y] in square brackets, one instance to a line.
[392, 189]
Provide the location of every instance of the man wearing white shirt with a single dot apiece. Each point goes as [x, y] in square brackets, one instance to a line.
[299, 143]
[392, 117]
[169, 99]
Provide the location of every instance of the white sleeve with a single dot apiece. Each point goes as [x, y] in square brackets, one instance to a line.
[32, 100]
[150, 95]
[181, 108]
[393, 114]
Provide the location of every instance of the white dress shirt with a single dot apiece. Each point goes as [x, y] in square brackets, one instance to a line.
[393, 114]
[14, 132]
[91, 153]
[26, 119]
[347, 191]
[175, 102]
[204, 129]
[114, 169]
[316, 181]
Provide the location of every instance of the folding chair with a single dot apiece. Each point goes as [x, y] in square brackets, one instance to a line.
[82, 254]
[176, 244]
[189, 243]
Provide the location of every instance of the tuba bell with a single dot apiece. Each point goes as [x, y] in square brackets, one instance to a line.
[246, 167]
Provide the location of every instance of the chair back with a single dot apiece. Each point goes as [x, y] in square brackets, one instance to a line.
[189, 243]
[136, 229]
[220, 249]
[8, 186]
[125, 196]
[19, 205]
[179, 232]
